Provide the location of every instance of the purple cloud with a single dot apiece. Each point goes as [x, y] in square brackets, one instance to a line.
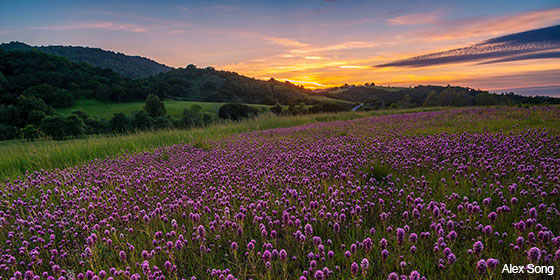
[533, 44]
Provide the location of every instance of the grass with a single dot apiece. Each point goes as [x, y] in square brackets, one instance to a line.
[106, 110]
[19, 156]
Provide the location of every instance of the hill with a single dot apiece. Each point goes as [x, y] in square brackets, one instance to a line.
[375, 97]
[24, 70]
[36, 87]
[126, 65]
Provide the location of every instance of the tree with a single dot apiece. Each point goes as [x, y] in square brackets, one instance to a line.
[154, 106]
[28, 103]
[431, 100]
[406, 102]
[485, 99]
[35, 117]
[53, 96]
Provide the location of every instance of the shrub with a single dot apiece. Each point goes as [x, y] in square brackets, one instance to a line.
[162, 122]
[276, 109]
[59, 127]
[120, 123]
[7, 131]
[236, 111]
[141, 120]
[154, 106]
[326, 107]
[193, 116]
[30, 132]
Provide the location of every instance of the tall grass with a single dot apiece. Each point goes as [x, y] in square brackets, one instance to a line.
[20, 156]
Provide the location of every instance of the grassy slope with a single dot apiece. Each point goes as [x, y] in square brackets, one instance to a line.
[19, 156]
[174, 108]
[105, 110]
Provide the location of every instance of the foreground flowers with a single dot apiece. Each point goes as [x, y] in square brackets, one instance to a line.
[322, 201]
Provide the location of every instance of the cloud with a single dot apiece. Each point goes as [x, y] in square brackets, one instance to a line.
[493, 26]
[549, 79]
[227, 8]
[287, 42]
[94, 25]
[533, 44]
[414, 19]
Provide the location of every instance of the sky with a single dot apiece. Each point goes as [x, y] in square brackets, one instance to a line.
[316, 43]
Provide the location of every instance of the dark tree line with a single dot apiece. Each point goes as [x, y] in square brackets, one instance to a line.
[134, 67]
[34, 83]
[428, 96]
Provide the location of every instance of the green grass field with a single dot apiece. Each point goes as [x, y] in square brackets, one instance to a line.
[19, 156]
[106, 110]
[174, 108]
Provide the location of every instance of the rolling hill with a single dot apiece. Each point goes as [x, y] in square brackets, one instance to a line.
[128, 66]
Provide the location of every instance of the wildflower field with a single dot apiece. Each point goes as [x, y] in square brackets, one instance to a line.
[434, 195]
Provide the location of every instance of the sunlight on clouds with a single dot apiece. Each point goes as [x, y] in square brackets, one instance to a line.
[414, 19]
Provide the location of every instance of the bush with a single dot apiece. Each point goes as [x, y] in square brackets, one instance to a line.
[35, 117]
[298, 109]
[97, 126]
[120, 123]
[193, 116]
[276, 109]
[75, 126]
[81, 114]
[236, 111]
[326, 107]
[30, 132]
[162, 122]
[10, 114]
[7, 131]
[53, 126]
[154, 106]
[59, 127]
[141, 120]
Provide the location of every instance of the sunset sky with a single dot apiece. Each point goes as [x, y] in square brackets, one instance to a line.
[314, 43]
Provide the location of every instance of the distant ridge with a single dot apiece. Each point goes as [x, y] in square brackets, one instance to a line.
[128, 66]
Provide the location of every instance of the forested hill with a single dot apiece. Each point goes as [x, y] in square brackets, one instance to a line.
[126, 65]
[375, 97]
[58, 81]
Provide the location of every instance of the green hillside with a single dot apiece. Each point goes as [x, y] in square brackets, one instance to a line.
[126, 65]
[106, 110]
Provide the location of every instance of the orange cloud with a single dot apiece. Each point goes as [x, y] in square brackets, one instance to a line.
[287, 42]
[494, 26]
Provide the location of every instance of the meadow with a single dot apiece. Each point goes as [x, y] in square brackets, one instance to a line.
[449, 194]
[106, 110]
[19, 156]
